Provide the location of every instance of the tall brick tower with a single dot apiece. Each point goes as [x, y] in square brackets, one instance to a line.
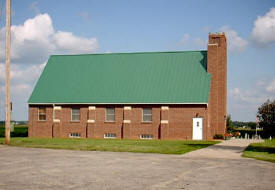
[217, 67]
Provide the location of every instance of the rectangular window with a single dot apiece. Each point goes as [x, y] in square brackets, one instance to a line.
[110, 114]
[42, 114]
[75, 114]
[146, 136]
[109, 135]
[147, 114]
[75, 135]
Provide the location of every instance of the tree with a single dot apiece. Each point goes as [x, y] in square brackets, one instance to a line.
[251, 125]
[229, 125]
[266, 115]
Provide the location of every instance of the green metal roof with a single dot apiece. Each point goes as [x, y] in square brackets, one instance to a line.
[152, 77]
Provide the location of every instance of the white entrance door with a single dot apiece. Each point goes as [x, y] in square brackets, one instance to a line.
[197, 128]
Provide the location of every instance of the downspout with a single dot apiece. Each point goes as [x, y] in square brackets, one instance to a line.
[122, 125]
[53, 122]
[86, 130]
[159, 128]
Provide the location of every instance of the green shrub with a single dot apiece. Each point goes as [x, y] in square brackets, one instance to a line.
[218, 136]
[18, 132]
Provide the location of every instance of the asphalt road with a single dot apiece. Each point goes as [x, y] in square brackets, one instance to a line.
[216, 167]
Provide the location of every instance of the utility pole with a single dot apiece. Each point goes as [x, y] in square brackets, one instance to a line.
[8, 45]
[257, 124]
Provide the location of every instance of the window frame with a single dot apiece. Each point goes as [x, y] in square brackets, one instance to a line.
[147, 115]
[75, 115]
[109, 135]
[106, 115]
[146, 136]
[44, 114]
[75, 135]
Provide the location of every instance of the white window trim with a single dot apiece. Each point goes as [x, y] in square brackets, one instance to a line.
[109, 136]
[39, 114]
[141, 136]
[110, 114]
[75, 135]
[72, 115]
[147, 114]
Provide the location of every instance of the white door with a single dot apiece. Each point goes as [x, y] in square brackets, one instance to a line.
[197, 128]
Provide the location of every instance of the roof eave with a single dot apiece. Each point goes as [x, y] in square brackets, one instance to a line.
[171, 103]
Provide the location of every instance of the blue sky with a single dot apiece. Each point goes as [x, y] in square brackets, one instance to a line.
[41, 28]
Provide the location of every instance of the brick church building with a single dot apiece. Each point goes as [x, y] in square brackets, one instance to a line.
[146, 95]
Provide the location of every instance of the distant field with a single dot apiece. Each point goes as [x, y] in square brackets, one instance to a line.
[114, 145]
[261, 151]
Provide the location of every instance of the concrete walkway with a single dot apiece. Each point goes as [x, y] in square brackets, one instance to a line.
[216, 167]
[231, 149]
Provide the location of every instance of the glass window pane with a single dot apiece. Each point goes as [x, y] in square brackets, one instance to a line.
[75, 111]
[42, 110]
[75, 114]
[110, 118]
[147, 111]
[110, 111]
[42, 114]
[110, 114]
[42, 117]
[147, 118]
[147, 114]
[75, 117]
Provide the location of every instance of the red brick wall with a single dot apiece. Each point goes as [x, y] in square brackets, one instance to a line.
[179, 126]
[40, 128]
[68, 126]
[138, 127]
[181, 121]
[102, 126]
[217, 66]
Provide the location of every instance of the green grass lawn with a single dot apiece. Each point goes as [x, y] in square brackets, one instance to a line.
[115, 145]
[261, 151]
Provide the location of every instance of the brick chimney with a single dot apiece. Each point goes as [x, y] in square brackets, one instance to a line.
[217, 67]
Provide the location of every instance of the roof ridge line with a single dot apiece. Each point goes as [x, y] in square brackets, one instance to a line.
[149, 52]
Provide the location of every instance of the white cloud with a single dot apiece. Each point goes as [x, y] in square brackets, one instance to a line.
[245, 102]
[32, 43]
[38, 28]
[36, 39]
[263, 89]
[248, 96]
[234, 41]
[21, 74]
[264, 29]
[34, 7]
[85, 16]
[206, 29]
[19, 88]
[184, 39]
[23, 79]
[271, 86]
[200, 43]
[66, 42]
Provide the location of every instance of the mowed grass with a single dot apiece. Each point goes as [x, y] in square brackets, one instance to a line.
[261, 151]
[114, 145]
